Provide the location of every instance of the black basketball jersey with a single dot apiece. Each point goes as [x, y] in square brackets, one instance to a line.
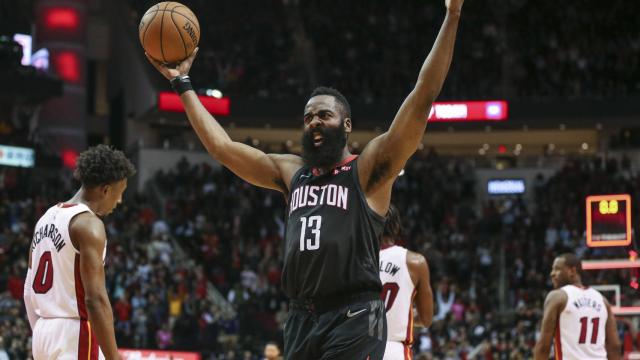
[331, 240]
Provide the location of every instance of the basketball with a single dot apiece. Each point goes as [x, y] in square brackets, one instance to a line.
[169, 32]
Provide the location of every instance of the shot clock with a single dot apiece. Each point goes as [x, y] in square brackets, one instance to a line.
[608, 220]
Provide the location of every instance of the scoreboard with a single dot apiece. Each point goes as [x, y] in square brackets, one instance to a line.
[609, 225]
[608, 220]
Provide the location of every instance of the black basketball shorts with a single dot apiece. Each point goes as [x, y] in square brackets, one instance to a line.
[353, 331]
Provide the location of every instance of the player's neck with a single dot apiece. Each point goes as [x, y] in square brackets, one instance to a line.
[386, 243]
[82, 196]
[578, 283]
[346, 154]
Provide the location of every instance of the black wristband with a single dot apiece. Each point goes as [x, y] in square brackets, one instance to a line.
[181, 84]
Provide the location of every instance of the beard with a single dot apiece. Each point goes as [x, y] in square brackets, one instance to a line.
[329, 152]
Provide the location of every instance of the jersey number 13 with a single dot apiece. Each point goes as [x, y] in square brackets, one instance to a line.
[313, 224]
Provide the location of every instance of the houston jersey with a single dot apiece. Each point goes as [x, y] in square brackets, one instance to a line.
[332, 245]
[55, 266]
[398, 292]
[580, 333]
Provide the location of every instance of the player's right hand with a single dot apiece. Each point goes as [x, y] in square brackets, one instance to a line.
[170, 72]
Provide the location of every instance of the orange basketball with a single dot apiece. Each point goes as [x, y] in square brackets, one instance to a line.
[169, 31]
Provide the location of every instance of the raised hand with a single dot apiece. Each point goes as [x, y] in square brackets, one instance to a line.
[171, 72]
[454, 5]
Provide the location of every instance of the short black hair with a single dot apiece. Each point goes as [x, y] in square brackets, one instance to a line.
[572, 261]
[102, 165]
[393, 224]
[324, 90]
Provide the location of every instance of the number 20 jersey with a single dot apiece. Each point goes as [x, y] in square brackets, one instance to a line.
[580, 334]
[332, 235]
[55, 265]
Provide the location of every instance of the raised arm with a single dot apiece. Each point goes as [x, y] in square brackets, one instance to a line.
[384, 157]
[270, 171]
[88, 234]
[419, 271]
[553, 305]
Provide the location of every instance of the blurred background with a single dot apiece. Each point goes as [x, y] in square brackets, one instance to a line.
[540, 110]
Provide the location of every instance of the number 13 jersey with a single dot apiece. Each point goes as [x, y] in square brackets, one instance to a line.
[331, 240]
[55, 265]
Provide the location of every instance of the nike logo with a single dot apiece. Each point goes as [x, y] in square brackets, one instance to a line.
[350, 314]
[304, 176]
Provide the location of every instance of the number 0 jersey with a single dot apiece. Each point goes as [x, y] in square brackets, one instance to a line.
[398, 292]
[331, 241]
[580, 334]
[55, 266]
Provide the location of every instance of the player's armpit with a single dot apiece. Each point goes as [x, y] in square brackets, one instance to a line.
[554, 304]
[612, 341]
[419, 271]
[87, 231]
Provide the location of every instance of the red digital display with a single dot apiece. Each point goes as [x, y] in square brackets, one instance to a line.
[69, 158]
[61, 18]
[168, 101]
[463, 111]
[67, 65]
[608, 220]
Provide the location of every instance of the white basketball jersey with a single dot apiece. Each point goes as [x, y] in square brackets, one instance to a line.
[580, 334]
[398, 292]
[55, 265]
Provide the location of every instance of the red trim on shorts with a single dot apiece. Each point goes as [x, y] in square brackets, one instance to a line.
[558, 342]
[407, 352]
[87, 344]
[83, 341]
[94, 348]
[82, 308]
[386, 246]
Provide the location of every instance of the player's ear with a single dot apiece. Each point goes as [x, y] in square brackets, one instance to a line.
[347, 125]
[104, 189]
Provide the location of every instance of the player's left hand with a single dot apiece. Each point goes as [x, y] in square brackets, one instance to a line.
[454, 5]
[171, 72]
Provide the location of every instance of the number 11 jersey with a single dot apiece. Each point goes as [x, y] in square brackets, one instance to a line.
[332, 235]
[580, 334]
[55, 266]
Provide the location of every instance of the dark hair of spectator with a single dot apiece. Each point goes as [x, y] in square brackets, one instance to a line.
[323, 90]
[572, 261]
[102, 165]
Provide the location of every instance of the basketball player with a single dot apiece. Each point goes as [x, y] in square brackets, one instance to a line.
[64, 292]
[337, 204]
[576, 317]
[405, 277]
